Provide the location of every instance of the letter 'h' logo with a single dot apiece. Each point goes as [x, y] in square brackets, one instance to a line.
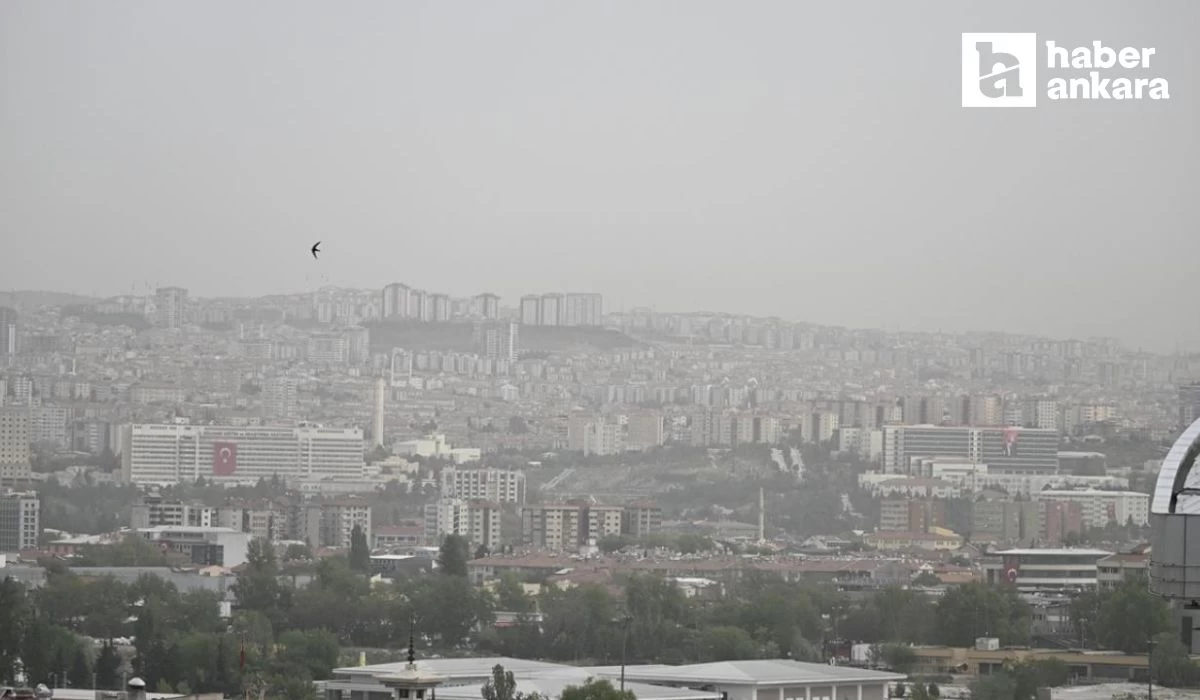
[999, 70]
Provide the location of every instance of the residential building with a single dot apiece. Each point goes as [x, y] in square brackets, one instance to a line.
[487, 306]
[477, 520]
[911, 515]
[1118, 569]
[1103, 507]
[568, 526]
[9, 332]
[396, 301]
[642, 518]
[15, 439]
[170, 304]
[337, 520]
[279, 397]
[531, 310]
[499, 340]
[154, 511]
[20, 521]
[490, 484]
[646, 431]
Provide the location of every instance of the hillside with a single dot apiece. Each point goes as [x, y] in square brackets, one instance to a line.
[415, 335]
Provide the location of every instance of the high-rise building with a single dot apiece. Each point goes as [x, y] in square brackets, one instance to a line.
[439, 308]
[531, 310]
[15, 439]
[487, 305]
[9, 329]
[499, 340]
[495, 485]
[582, 309]
[169, 454]
[20, 521]
[279, 397]
[170, 305]
[550, 310]
[396, 301]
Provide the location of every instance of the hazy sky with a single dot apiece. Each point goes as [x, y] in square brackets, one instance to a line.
[803, 159]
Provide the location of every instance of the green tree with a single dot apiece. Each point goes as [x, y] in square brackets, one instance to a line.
[108, 667]
[728, 643]
[1171, 665]
[13, 614]
[453, 555]
[258, 587]
[898, 657]
[80, 675]
[360, 551]
[976, 610]
[1128, 616]
[510, 596]
[501, 686]
[594, 689]
[612, 543]
[316, 651]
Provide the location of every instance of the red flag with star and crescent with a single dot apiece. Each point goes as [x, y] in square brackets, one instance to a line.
[224, 458]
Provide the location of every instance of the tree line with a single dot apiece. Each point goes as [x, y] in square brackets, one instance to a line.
[281, 637]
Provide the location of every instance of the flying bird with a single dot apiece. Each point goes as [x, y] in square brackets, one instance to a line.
[315, 249]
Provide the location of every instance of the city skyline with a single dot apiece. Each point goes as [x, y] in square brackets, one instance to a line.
[661, 158]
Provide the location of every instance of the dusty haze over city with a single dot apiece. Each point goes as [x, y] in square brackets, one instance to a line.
[805, 160]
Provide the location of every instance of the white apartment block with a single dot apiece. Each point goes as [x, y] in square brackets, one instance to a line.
[496, 485]
[1102, 507]
[170, 453]
[477, 520]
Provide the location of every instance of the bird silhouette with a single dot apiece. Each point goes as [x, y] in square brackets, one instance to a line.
[315, 249]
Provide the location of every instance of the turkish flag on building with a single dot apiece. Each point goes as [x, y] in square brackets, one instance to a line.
[224, 458]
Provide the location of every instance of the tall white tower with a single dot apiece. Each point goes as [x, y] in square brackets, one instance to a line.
[762, 515]
[377, 428]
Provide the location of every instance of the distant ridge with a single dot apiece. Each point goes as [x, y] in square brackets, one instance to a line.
[34, 299]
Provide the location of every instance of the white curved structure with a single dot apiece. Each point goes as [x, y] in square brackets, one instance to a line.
[1175, 519]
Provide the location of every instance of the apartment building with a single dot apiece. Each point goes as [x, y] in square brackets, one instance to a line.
[477, 520]
[642, 518]
[496, 485]
[20, 521]
[15, 436]
[911, 515]
[568, 526]
[1103, 507]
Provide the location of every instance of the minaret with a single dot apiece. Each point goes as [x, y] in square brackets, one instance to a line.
[411, 683]
[377, 427]
[762, 515]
